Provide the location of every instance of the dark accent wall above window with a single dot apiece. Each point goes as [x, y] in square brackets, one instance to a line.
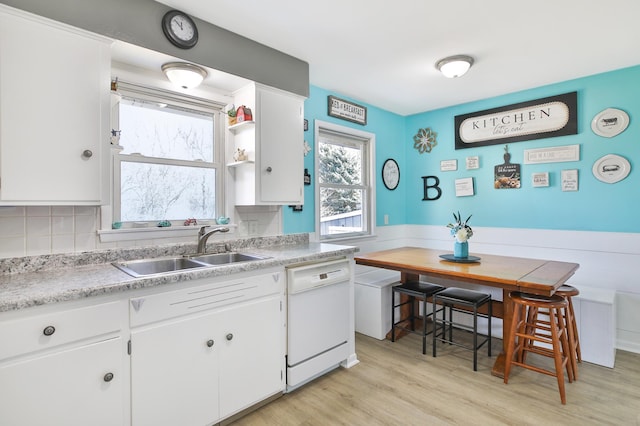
[138, 22]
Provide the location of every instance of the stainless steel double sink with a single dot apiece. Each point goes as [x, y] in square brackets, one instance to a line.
[167, 265]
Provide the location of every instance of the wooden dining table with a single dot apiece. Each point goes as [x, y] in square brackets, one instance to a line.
[536, 276]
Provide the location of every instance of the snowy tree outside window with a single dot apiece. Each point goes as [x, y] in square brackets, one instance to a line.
[343, 185]
[167, 168]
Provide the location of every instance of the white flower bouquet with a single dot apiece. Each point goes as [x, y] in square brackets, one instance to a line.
[460, 230]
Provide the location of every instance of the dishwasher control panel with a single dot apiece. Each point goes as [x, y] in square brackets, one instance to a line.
[308, 277]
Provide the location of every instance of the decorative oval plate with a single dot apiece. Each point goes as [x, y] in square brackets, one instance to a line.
[611, 168]
[610, 122]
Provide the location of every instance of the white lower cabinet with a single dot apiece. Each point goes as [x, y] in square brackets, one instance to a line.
[196, 355]
[197, 369]
[251, 355]
[174, 372]
[64, 365]
[80, 386]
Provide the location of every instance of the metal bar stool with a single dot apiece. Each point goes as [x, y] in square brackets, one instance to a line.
[416, 290]
[451, 299]
[527, 328]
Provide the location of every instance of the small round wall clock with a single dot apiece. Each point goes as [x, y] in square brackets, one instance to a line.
[390, 174]
[180, 29]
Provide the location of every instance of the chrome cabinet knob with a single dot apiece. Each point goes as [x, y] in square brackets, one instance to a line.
[229, 336]
[108, 377]
[87, 153]
[210, 343]
[269, 169]
[49, 330]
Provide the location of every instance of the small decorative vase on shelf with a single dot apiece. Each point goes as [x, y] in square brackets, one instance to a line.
[461, 249]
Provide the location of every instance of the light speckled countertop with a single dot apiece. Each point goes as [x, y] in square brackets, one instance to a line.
[59, 278]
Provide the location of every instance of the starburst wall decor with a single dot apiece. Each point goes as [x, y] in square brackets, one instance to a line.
[425, 140]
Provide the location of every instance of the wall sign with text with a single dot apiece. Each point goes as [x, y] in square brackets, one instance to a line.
[346, 110]
[536, 119]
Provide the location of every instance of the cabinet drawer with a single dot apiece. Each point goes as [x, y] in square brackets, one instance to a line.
[158, 307]
[37, 332]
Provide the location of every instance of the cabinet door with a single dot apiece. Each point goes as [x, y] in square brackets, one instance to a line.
[54, 111]
[280, 137]
[174, 372]
[252, 357]
[65, 388]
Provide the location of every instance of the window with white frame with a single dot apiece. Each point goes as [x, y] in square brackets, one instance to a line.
[169, 167]
[345, 185]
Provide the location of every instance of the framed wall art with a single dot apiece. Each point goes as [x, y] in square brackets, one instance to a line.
[540, 180]
[569, 180]
[540, 118]
[345, 110]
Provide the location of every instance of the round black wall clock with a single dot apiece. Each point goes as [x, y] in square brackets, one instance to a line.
[390, 174]
[180, 29]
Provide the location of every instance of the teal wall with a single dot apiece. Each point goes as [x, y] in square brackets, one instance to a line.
[390, 134]
[596, 206]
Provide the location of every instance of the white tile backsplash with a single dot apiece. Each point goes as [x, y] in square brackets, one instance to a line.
[37, 230]
[62, 243]
[12, 247]
[38, 226]
[85, 224]
[38, 211]
[84, 242]
[62, 224]
[38, 244]
[62, 211]
[12, 211]
[12, 226]
[85, 211]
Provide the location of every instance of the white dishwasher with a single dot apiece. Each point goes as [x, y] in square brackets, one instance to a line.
[317, 319]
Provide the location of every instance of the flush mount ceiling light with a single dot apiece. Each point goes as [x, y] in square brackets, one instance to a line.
[454, 66]
[184, 75]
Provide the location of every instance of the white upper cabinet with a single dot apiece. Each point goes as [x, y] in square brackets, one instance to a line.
[274, 145]
[54, 110]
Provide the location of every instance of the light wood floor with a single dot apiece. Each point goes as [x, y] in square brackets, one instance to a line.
[394, 384]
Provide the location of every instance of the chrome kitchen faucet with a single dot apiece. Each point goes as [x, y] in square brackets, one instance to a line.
[203, 237]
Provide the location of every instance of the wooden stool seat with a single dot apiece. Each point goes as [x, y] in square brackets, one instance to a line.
[528, 327]
[416, 290]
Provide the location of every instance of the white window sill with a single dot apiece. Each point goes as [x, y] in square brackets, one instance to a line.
[131, 234]
[347, 239]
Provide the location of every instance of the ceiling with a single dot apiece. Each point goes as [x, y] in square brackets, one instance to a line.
[384, 53]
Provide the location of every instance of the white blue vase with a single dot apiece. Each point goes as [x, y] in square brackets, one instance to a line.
[461, 249]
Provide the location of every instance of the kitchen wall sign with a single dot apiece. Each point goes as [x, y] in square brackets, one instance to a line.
[540, 118]
[464, 187]
[610, 122]
[473, 162]
[540, 180]
[555, 154]
[569, 180]
[346, 110]
[448, 165]
[506, 175]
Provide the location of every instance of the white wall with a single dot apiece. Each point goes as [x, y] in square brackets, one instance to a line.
[607, 260]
